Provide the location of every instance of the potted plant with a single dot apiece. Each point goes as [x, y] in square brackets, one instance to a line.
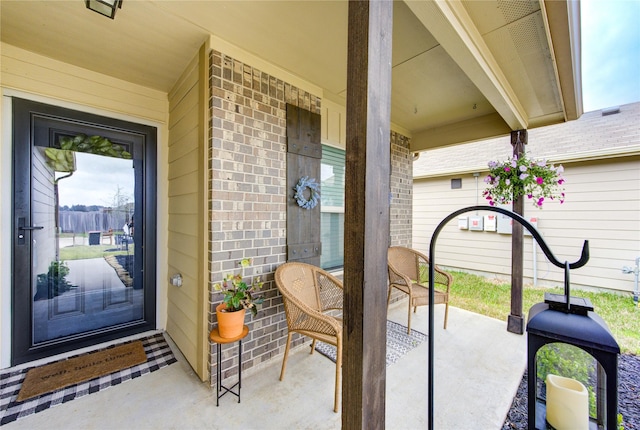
[521, 176]
[238, 296]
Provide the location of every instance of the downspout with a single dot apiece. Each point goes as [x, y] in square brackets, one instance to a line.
[535, 262]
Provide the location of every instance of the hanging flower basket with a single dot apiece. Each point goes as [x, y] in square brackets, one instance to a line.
[521, 176]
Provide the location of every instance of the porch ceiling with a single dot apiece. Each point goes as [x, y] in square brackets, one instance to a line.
[462, 71]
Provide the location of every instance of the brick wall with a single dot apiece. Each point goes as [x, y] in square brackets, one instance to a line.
[401, 214]
[247, 206]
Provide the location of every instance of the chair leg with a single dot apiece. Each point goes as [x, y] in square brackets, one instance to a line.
[409, 319]
[389, 296]
[313, 346]
[336, 399]
[286, 355]
[446, 314]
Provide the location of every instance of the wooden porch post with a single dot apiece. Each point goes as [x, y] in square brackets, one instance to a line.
[515, 321]
[366, 225]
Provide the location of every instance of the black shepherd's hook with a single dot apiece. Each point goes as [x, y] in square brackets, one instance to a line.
[584, 257]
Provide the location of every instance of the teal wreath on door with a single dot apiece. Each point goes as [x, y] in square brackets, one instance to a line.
[305, 183]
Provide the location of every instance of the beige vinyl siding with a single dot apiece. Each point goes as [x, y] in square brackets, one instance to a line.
[43, 209]
[602, 206]
[26, 71]
[187, 233]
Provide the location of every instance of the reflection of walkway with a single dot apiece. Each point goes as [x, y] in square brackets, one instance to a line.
[98, 300]
[123, 273]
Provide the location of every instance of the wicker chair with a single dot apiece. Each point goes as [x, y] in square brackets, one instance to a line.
[409, 273]
[308, 292]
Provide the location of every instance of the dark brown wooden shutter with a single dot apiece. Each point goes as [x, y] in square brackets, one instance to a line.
[304, 152]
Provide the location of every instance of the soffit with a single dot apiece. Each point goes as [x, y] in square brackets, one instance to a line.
[438, 87]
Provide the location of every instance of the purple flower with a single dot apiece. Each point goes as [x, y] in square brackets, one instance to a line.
[540, 201]
[507, 169]
[508, 181]
[560, 181]
[524, 176]
[514, 162]
[523, 168]
[492, 164]
[539, 180]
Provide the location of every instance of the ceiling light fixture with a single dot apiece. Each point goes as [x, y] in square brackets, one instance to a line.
[104, 7]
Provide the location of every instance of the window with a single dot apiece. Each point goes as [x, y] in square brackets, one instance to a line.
[332, 212]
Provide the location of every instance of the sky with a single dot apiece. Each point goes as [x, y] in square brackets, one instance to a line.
[96, 181]
[610, 33]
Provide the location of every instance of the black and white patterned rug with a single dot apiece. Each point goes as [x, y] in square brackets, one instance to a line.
[398, 343]
[159, 355]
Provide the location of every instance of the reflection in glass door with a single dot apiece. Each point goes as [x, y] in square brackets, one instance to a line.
[85, 250]
[79, 263]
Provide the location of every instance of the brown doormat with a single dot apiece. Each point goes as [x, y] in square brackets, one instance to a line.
[61, 374]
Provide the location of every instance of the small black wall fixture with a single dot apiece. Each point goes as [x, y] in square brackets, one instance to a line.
[104, 7]
[584, 257]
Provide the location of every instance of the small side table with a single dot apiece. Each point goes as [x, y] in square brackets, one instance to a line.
[214, 336]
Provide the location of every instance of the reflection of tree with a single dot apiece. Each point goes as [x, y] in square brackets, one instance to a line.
[120, 200]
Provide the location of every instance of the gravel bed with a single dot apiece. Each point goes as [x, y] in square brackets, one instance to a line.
[628, 396]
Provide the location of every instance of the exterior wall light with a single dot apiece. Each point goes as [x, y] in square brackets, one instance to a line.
[104, 7]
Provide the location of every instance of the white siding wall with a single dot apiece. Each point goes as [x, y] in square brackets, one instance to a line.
[602, 206]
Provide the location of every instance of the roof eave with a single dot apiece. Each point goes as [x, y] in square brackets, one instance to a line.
[562, 19]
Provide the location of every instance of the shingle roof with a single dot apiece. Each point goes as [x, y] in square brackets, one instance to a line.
[593, 136]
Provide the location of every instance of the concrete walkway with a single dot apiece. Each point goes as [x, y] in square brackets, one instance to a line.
[478, 369]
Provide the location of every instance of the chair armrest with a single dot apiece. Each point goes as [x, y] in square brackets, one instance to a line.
[396, 277]
[443, 278]
[330, 291]
[302, 317]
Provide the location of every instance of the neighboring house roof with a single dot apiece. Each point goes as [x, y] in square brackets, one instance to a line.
[596, 135]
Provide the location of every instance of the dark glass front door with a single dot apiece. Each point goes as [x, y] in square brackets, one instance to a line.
[84, 230]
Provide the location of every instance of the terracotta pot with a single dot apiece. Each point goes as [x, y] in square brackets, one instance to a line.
[230, 324]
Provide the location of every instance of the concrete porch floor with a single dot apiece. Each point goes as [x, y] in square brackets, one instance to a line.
[479, 366]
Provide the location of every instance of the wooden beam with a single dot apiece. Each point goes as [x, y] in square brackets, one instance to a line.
[515, 320]
[366, 225]
[472, 129]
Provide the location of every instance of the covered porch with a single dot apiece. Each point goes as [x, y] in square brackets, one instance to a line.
[214, 81]
[478, 366]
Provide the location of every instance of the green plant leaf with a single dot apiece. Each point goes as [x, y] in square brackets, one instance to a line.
[94, 145]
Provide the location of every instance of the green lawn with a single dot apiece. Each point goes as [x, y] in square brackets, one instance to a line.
[79, 252]
[492, 298]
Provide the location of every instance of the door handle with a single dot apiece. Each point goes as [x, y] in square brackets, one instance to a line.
[22, 227]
